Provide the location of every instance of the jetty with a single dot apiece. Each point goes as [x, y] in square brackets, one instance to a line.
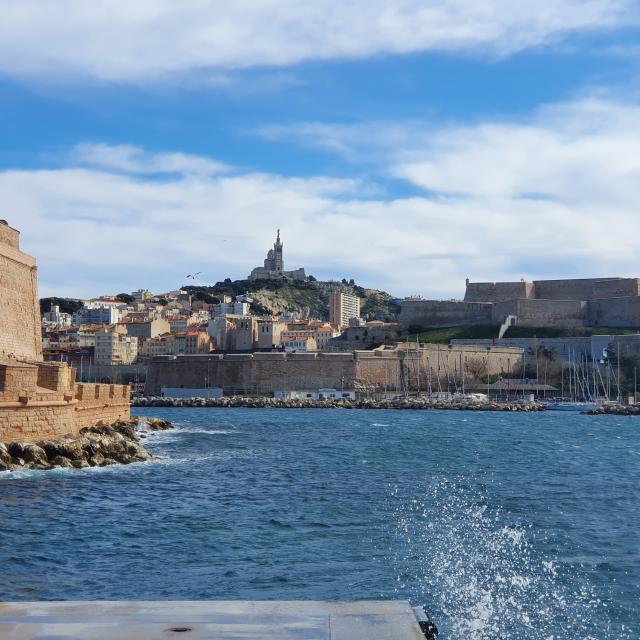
[262, 402]
[210, 620]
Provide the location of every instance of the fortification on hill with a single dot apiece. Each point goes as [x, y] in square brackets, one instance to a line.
[40, 400]
[589, 302]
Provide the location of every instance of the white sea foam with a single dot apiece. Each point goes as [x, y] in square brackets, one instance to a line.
[483, 577]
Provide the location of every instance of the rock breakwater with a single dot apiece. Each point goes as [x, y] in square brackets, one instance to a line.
[259, 402]
[99, 446]
[615, 410]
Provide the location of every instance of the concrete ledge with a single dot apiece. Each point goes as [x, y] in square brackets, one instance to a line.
[219, 620]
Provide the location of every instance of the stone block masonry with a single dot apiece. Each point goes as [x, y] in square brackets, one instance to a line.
[264, 373]
[19, 306]
[47, 418]
[40, 400]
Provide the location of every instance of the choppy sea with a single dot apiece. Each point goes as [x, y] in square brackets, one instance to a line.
[507, 526]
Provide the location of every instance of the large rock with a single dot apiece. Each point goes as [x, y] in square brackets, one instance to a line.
[5, 456]
[97, 446]
[61, 461]
[33, 454]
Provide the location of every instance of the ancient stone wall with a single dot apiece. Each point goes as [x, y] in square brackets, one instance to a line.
[586, 288]
[262, 373]
[614, 312]
[550, 313]
[49, 416]
[19, 305]
[100, 403]
[497, 291]
[443, 313]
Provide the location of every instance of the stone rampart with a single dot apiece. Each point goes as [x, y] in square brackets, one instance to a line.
[546, 313]
[49, 415]
[443, 313]
[497, 291]
[614, 312]
[586, 288]
[382, 368]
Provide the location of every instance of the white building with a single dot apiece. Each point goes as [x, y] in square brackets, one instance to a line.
[54, 319]
[320, 394]
[107, 314]
[342, 308]
[241, 306]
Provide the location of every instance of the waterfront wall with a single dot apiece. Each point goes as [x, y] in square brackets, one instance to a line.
[42, 415]
[264, 373]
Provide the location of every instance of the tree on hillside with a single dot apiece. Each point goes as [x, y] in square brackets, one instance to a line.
[67, 305]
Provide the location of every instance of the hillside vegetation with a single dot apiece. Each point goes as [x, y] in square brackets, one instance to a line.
[303, 299]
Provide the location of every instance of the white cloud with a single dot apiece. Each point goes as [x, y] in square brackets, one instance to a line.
[137, 41]
[554, 196]
[131, 159]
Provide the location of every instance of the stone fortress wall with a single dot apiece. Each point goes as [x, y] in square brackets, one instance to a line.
[260, 373]
[40, 400]
[589, 302]
[20, 335]
[444, 313]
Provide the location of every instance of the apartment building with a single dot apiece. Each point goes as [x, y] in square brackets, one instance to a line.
[115, 346]
[342, 308]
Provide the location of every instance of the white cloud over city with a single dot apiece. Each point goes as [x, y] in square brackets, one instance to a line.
[139, 41]
[554, 194]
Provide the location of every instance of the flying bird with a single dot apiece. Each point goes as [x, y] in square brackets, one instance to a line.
[195, 275]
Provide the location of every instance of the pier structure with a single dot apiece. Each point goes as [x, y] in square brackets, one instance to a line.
[210, 620]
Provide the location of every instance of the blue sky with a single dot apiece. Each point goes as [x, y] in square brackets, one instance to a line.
[406, 144]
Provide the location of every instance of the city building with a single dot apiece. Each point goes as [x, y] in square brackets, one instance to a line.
[240, 306]
[273, 268]
[298, 344]
[114, 346]
[184, 343]
[270, 331]
[342, 308]
[55, 319]
[107, 314]
[146, 329]
[142, 294]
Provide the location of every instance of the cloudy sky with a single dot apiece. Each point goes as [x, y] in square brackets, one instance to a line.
[405, 143]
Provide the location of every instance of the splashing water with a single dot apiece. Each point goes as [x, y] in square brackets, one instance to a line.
[481, 576]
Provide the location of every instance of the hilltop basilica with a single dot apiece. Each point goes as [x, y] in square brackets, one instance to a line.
[273, 268]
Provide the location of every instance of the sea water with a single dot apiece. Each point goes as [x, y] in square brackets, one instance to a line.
[505, 525]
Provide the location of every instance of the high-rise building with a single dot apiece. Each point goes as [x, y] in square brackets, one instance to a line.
[342, 308]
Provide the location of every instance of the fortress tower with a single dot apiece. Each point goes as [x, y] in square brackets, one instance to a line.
[20, 335]
[40, 400]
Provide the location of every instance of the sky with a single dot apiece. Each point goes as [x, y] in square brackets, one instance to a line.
[408, 144]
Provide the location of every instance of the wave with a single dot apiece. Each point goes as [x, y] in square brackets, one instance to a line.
[482, 577]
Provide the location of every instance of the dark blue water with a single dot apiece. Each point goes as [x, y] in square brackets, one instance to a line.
[508, 526]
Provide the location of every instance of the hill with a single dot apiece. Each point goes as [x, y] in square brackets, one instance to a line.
[309, 299]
